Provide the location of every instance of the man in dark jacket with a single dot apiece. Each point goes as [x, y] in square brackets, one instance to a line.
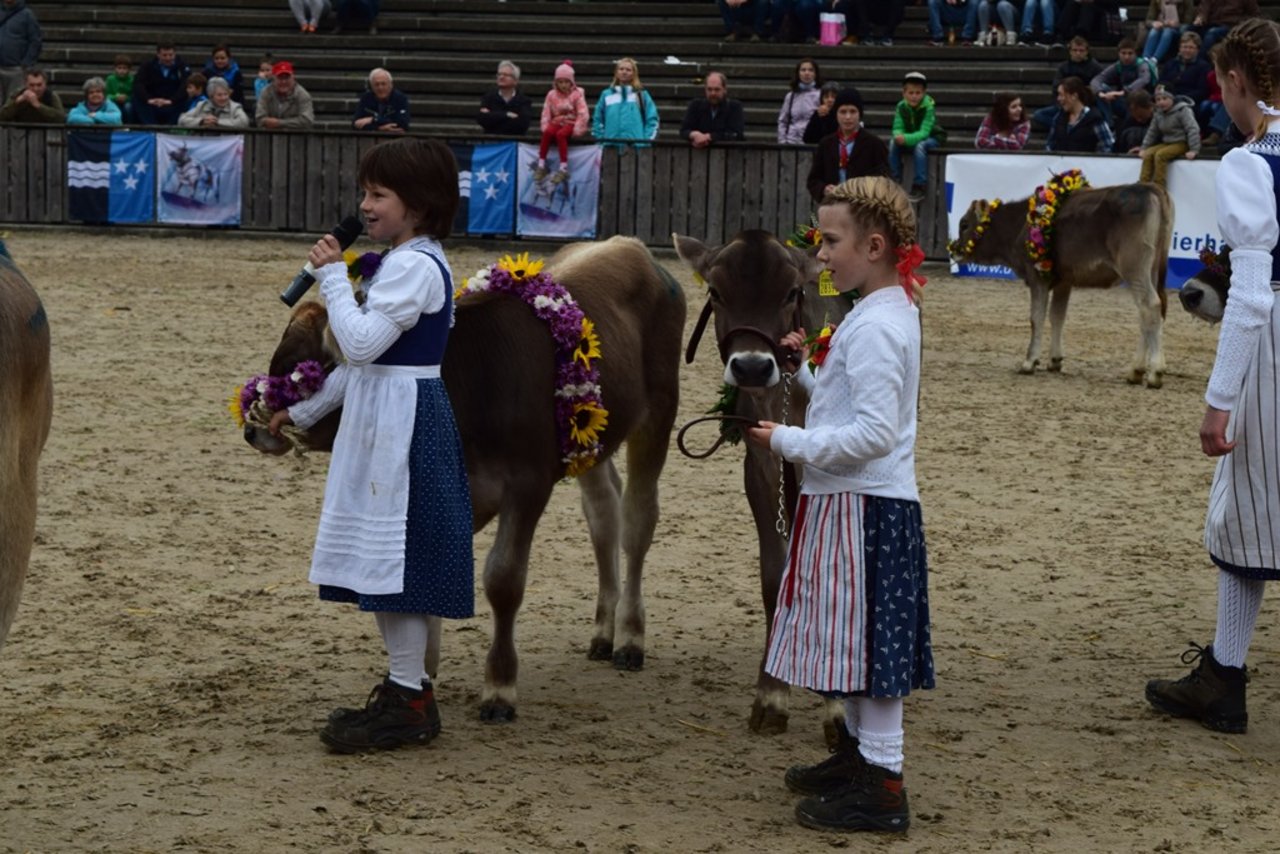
[1187, 74]
[505, 110]
[20, 41]
[715, 118]
[160, 89]
[1079, 64]
[36, 104]
[382, 107]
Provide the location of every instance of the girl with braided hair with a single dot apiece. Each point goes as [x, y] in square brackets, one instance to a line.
[852, 619]
[1242, 527]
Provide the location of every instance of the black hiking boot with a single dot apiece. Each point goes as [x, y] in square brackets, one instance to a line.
[392, 717]
[876, 801]
[1212, 693]
[843, 767]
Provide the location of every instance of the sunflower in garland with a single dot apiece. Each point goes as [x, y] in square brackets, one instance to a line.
[588, 420]
[588, 346]
[520, 267]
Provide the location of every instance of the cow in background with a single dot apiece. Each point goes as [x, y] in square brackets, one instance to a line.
[1101, 237]
[500, 371]
[758, 289]
[26, 409]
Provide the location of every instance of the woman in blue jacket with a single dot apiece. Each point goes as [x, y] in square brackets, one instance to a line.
[625, 110]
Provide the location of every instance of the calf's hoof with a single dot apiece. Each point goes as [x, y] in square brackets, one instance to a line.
[601, 650]
[1135, 377]
[1055, 365]
[629, 658]
[766, 720]
[1028, 367]
[1154, 380]
[497, 712]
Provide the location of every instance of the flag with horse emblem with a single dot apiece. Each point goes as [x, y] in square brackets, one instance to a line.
[559, 205]
[199, 178]
[111, 176]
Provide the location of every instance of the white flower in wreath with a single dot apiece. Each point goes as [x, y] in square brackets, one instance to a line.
[543, 301]
[480, 281]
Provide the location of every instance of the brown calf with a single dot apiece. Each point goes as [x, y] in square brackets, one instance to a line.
[1102, 237]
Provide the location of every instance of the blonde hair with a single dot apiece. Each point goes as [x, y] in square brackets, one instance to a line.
[635, 78]
[876, 203]
[1252, 48]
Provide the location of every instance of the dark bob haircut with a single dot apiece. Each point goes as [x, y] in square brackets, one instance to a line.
[423, 173]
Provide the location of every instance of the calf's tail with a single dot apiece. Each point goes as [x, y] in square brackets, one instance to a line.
[1164, 237]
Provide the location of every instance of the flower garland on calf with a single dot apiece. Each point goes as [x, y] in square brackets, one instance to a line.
[964, 250]
[580, 413]
[276, 393]
[1042, 209]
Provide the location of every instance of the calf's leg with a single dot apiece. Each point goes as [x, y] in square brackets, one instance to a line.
[1039, 305]
[770, 709]
[602, 506]
[1058, 299]
[1148, 362]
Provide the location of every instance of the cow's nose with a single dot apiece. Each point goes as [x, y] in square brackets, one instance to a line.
[249, 431]
[752, 370]
[1191, 297]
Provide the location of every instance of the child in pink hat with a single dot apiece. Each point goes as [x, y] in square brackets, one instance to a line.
[564, 115]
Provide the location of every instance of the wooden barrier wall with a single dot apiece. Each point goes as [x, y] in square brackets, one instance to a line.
[305, 182]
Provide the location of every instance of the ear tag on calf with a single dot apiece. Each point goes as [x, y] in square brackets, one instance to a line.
[827, 285]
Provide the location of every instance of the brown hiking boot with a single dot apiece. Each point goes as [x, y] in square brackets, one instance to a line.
[393, 717]
[840, 769]
[1212, 693]
[876, 801]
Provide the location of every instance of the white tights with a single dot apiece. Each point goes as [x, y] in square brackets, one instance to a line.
[405, 637]
[1239, 600]
[308, 11]
[878, 724]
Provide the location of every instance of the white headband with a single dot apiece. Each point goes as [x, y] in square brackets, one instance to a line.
[1268, 110]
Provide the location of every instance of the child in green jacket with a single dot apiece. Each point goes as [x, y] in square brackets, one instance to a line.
[915, 128]
[120, 86]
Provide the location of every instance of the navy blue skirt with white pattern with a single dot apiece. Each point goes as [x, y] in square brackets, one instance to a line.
[439, 570]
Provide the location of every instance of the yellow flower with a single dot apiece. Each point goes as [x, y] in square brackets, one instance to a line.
[576, 464]
[520, 267]
[349, 256]
[588, 346]
[233, 406]
[588, 420]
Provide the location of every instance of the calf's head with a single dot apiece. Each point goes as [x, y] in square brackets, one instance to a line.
[1205, 294]
[972, 226]
[755, 287]
[307, 337]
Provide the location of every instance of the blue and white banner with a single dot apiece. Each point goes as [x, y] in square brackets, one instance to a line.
[1016, 176]
[559, 208]
[110, 176]
[200, 179]
[487, 187]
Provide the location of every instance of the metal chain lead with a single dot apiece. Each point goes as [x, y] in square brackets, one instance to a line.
[781, 525]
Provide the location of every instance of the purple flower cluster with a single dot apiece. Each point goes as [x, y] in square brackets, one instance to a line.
[284, 391]
[364, 267]
[564, 319]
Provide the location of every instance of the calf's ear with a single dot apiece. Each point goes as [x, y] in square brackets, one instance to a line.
[693, 252]
[806, 261]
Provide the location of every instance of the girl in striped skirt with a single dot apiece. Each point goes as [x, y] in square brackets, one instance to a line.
[1242, 527]
[852, 617]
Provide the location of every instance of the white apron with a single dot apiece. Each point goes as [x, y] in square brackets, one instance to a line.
[361, 541]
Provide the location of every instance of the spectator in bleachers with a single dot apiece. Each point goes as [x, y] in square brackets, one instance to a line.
[823, 121]
[1213, 114]
[221, 64]
[217, 110]
[805, 15]
[120, 86]
[159, 91]
[1079, 64]
[350, 11]
[35, 104]
[625, 110]
[1078, 127]
[308, 13]
[1005, 33]
[946, 15]
[1005, 127]
[875, 21]
[1120, 78]
[1215, 17]
[715, 117]
[1087, 18]
[800, 103]
[1046, 35]
[1164, 22]
[1133, 129]
[915, 129]
[20, 42]
[1187, 74]
[564, 115]
[263, 80]
[744, 16]
[506, 110]
[195, 91]
[382, 107]
[1173, 135]
[96, 108]
[284, 104]
[851, 152]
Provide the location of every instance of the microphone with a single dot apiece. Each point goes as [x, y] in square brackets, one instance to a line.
[346, 231]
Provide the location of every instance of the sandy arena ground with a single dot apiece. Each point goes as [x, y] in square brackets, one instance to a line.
[170, 665]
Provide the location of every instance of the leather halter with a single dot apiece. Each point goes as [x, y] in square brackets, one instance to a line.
[781, 356]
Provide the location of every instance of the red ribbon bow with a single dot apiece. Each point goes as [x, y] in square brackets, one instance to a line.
[910, 257]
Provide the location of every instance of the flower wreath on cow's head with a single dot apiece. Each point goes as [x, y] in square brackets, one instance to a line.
[580, 413]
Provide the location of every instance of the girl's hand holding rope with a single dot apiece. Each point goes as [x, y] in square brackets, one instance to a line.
[761, 434]
[278, 420]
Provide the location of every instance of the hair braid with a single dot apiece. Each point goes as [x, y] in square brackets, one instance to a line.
[877, 202]
[1252, 48]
